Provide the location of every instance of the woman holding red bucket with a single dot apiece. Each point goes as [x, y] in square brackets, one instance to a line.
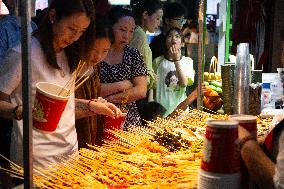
[123, 72]
[64, 24]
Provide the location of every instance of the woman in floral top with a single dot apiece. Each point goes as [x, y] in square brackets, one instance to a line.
[123, 72]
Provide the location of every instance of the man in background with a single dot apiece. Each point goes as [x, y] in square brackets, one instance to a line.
[173, 18]
[10, 29]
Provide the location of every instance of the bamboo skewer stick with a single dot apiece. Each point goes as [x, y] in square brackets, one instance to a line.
[72, 83]
[74, 76]
[12, 163]
[77, 86]
[82, 76]
[15, 173]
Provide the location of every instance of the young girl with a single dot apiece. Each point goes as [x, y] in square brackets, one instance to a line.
[174, 71]
[89, 130]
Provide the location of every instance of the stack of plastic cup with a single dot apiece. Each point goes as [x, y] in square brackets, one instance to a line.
[242, 79]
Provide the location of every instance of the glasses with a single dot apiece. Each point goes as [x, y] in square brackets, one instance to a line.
[180, 20]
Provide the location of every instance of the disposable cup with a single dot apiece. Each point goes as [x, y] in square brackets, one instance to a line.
[48, 106]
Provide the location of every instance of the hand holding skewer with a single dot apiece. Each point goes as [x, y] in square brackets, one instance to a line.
[101, 106]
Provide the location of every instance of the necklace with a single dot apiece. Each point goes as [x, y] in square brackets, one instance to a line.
[61, 71]
[61, 62]
[62, 74]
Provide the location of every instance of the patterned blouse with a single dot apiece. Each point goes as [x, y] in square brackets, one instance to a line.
[132, 65]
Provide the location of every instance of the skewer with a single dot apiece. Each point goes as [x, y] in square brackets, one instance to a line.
[127, 157]
[70, 84]
[81, 83]
[12, 163]
[73, 77]
[15, 173]
[19, 177]
[82, 76]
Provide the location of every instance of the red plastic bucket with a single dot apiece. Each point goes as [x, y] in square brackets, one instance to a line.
[221, 151]
[113, 124]
[48, 106]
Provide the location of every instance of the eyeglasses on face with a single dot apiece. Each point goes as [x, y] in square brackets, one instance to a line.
[180, 20]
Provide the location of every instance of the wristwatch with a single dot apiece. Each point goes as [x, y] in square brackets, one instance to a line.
[18, 115]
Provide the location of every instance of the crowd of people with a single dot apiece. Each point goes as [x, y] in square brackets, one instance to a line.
[127, 74]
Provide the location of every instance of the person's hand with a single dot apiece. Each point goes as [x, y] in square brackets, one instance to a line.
[261, 140]
[203, 89]
[101, 99]
[18, 112]
[243, 133]
[125, 85]
[105, 108]
[175, 52]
